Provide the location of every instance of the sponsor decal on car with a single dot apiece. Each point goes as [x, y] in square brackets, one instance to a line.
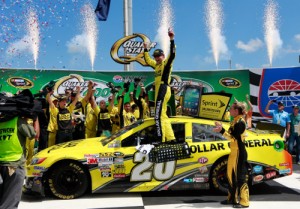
[279, 145]
[257, 169]
[39, 168]
[105, 168]
[258, 178]
[285, 171]
[92, 161]
[270, 174]
[202, 160]
[120, 169]
[105, 174]
[258, 143]
[284, 164]
[37, 174]
[91, 155]
[118, 154]
[187, 180]
[200, 179]
[203, 169]
[106, 154]
[119, 161]
[207, 147]
[106, 161]
[119, 175]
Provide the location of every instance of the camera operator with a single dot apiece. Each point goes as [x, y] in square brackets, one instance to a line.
[15, 129]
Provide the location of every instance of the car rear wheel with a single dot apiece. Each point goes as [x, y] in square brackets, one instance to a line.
[67, 180]
[218, 178]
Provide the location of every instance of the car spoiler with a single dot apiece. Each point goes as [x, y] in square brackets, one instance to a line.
[271, 127]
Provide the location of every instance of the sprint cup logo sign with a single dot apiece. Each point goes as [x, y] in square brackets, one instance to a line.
[133, 49]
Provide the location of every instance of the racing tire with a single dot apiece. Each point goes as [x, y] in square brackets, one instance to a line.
[218, 176]
[68, 180]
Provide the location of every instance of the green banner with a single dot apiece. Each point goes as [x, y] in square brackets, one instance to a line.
[235, 82]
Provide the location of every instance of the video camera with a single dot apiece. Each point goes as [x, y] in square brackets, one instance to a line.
[126, 86]
[49, 87]
[136, 82]
[113, 88]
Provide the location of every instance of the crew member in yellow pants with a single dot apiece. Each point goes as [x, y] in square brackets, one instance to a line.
[31, 142]
[238, 192]
[90, 122]
[163, 69]
[52, 126]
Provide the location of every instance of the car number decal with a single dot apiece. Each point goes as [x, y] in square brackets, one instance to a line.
[142, 170]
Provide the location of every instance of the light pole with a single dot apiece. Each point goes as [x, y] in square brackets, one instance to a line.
[127, 9]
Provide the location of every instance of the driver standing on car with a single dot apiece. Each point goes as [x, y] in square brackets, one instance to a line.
[163, 69]
[238, 191]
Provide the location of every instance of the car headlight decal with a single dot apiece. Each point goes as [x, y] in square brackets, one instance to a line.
[36, 160]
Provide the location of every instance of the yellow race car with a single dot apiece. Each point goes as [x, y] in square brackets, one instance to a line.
[118, 164]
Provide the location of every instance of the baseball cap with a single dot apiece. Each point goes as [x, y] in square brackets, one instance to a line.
[296, 106]
[61, 98]
[280, 104]
[157, 53]
[53, 98]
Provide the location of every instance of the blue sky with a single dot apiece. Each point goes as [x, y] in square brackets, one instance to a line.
[60, 26]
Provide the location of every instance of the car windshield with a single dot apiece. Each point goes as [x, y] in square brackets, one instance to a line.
[105, 141]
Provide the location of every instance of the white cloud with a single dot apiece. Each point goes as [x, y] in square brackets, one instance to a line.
[290, 50]
[78, 44]
[297, 37]
[19, 46]
[252, 45]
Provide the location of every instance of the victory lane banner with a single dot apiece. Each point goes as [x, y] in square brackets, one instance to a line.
[13, 80]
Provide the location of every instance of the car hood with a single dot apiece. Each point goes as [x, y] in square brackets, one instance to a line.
[73, 149]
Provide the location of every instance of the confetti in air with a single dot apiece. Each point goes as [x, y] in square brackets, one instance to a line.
[272, 35]
[91, 31]
[165, 21]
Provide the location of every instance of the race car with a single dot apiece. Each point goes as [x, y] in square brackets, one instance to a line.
[117, 164]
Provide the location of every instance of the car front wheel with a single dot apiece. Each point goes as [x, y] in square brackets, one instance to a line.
[68, 180]
[218, 178]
